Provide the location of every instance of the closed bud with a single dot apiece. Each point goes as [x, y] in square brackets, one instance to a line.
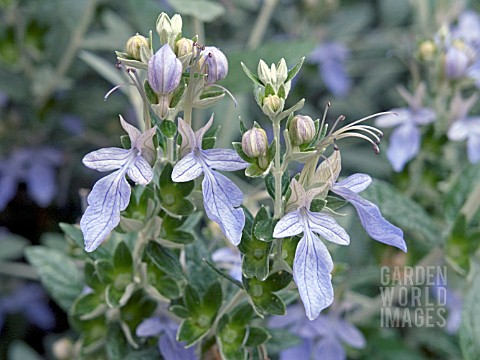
[185, 50]
[272, 105]
[216, 64]
[426, 50]
[169, 29]
[302, 130]
[164, 71]
[255, 142]
[134, 45]
[264, 73]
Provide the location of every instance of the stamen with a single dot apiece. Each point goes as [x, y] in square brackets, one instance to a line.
[357, 135]
[112, 90]
[365, 128]
[324, 116]
[340, 118]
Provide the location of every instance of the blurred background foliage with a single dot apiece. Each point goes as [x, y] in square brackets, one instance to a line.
[57, 63]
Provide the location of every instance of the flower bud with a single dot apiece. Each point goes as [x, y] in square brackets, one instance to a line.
[272, 105]
[426, 50]
[302, 130]
[169, 29]
[185, 50]
[216, 64]
[134, 45]
[255, 142]
[264, 73]
[164, 71]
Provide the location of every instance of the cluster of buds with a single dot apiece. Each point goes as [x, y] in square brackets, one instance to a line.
[179, 57]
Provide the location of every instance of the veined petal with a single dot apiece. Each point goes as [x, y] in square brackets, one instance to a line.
[200, 133]
[187, 169]
[372, 220]
[327, 228]
[356, 182]
[298, 197]
[223, 159]
[109, 196]
[311, 271]
[289, 225]
[140, 171]
[144, 143]
[107, 159]
[404, 145]
[220, 197]
[188, 137]
[132, 131]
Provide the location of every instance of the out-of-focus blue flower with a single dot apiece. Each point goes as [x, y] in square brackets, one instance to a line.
[323, 338]
[331, 58]
[370, 216]
[221, 197]
[312, 264]
[31, 301]
[73, 124]
[452, 300]
[468, 28]
[36, 168]
[168, 346]
[111, 194]
[465, 127]
[405, 138]
[230, 259]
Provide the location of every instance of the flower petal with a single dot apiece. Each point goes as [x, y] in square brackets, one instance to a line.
[187, 169]
[171, 349]
[372, 220]
[41, 184]
[200, 133]
[398, 116]
[311, 271]
[349, 334]
[473, 148]
[189, 141]
[356, 182]
[150, 327]
[144, 143]
[404, 145]
[289, 225]
[107, 159]
[301, 351]
[327, 228]
[109, 196]
[329, 348]
[423, 116]
[140, 171]
[132, 131]
[220, 197]
[223, 159]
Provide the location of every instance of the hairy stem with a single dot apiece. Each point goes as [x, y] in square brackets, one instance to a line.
[277, 171]
[170, 150]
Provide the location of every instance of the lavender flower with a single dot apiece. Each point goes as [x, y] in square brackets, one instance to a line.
[312, 264]
[164, 70]
[370, 216]
[221, 197]
[168, 346]
[111, 194]
[405, 139]
[230, 259]
[331, 57]
[36, 168]
[323, 338]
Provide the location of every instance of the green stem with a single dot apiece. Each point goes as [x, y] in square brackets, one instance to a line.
[263, 18]
[75, 43]
[170, 150]
[277, 171]
[138, 250]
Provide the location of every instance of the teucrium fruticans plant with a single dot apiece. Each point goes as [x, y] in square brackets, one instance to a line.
[148, 242]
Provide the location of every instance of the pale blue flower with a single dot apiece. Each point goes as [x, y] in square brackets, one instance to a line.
[331, 58]
[468, 28]
[370, 216]
[164, 70]
[322, 338]
[111, 194]
[453, 301]
[36, 167]
[230, 259]
[168, 345]
[312, 264]
[405, 138]
[221, 197]
[216, 64]
[467, 128]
